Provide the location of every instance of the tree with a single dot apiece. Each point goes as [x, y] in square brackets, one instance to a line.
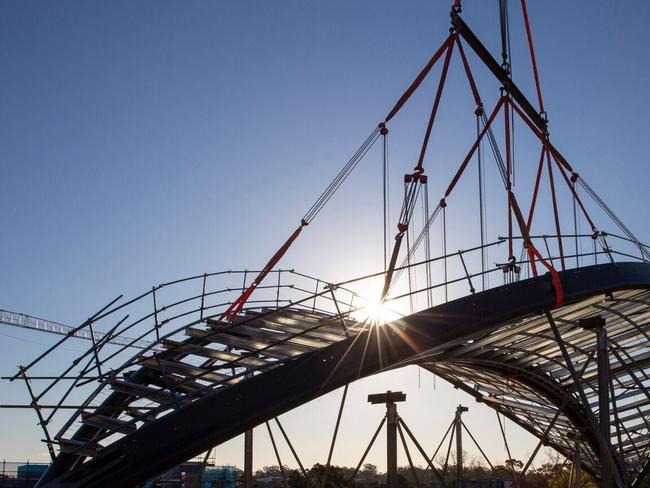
[514, 464]
[368, 472]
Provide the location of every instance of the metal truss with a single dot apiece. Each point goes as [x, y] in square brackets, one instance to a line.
[194, 362]
[222, 379]
[519, 370]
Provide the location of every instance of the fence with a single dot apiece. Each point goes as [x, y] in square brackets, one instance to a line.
[20, 474]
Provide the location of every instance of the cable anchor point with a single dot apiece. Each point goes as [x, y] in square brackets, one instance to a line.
[456, 8]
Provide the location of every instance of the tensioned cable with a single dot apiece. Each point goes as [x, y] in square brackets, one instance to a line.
[575, 223]
[503, 24]
[502, 171]
[386, 195]
[341, 177]
[507, 64]
[480, 200]
[416, 244]
[612, 215]
[410, 270]
[495, 151]
[427, 248]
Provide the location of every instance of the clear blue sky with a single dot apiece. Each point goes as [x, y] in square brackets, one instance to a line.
[143, 141]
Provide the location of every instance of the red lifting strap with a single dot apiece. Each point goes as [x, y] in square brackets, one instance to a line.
[533, 60]
[434, 109]
[420, 77]
[532, 251]
[236, 306]
[470, 77]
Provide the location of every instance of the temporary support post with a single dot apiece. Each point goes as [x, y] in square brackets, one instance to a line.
[424, 454]
[293, 450]
[408, 454]
[365, 453]
[390, 399]
[277, 455]
[323, 481]
[248, 458]
[459, 443]
[597, 324]
[605, 452]
[248, 452]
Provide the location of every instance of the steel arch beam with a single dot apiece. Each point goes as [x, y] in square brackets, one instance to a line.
[228, 412]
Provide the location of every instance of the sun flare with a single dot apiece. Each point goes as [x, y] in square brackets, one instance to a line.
[376, 313]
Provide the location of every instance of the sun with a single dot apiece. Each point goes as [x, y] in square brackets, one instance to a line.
[376, 313]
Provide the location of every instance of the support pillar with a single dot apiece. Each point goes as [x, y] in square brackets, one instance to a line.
[248, 459]
[577, 465]
[597, 324]
[391, 445]
[603, 402]
[458, 430]
[389, 399]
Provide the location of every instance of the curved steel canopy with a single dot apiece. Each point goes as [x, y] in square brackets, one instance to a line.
[495, 345]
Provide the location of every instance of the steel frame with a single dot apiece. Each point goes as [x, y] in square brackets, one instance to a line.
[474, 342]
[517, 347]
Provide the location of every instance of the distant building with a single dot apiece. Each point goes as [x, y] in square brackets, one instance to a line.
[186, 475]
[486, 483]
[14, 475]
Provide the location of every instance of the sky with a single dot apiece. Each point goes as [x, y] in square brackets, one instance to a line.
[145, 141]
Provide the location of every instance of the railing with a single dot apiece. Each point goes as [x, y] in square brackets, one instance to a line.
[142, 323]
[166, 310]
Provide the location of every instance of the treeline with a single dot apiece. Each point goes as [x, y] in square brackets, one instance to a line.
[549, 475]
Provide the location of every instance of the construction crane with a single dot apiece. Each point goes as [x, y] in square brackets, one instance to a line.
[34, 323]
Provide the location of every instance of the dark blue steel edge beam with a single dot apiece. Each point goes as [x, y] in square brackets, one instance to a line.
[226, 413]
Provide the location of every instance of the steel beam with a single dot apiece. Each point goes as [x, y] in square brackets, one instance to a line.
[193, 429]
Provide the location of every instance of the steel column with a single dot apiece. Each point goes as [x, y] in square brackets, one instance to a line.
[389, 398]
[606, 456]
[459, 443]
[391, 445]
[597, 325]
[603, 402]
[248, 458]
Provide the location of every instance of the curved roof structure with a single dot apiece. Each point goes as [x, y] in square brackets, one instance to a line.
[498, 345]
